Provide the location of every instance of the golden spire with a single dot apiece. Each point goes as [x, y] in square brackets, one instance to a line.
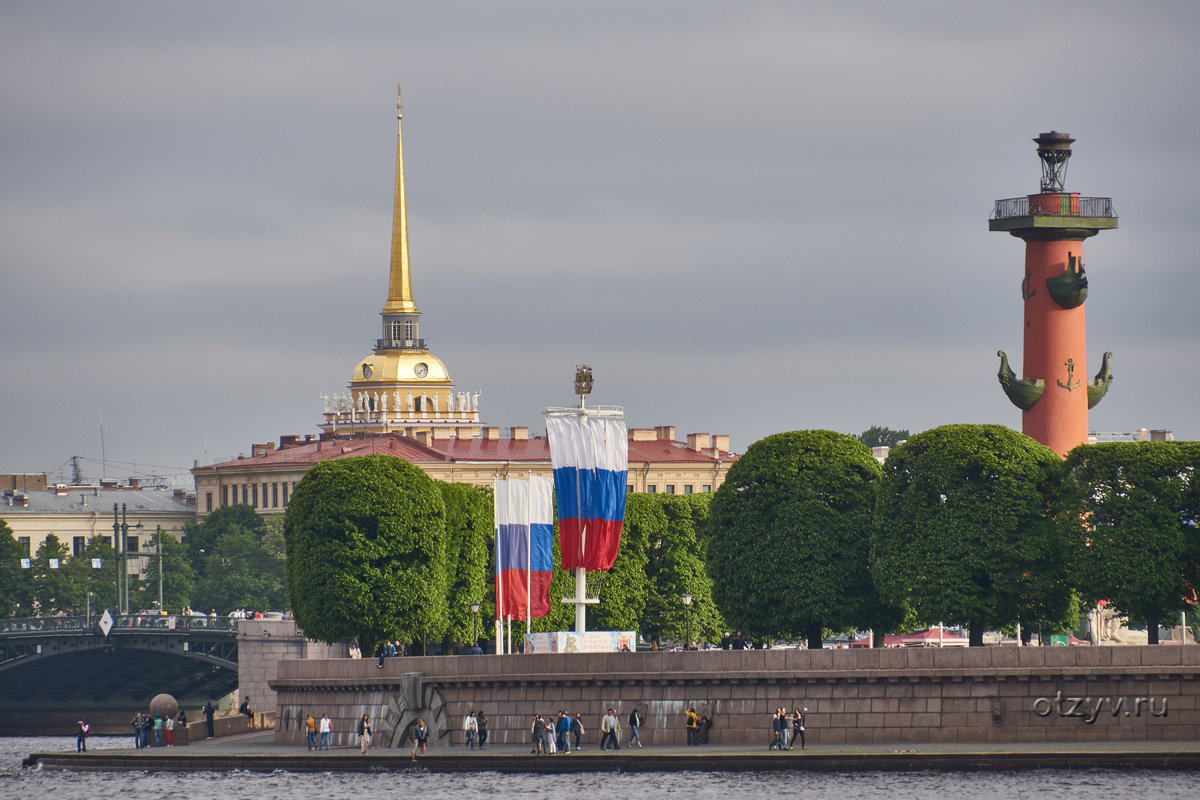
[400, 298]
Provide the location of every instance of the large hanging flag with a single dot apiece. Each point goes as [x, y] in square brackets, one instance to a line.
[590, 456]
[524, 515]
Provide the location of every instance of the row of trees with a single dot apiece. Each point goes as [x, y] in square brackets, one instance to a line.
[377, 550]
[232, 559]
[966, 524]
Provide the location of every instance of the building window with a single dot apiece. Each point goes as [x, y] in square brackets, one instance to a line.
[264, 496]
[687, 488]
[131, 544]
[651, 488]
[410, 329]
[254, 495]
[706, 487]
[207, 502]
[224, 496]
[245, 494]
[24, 542]
[108, 541]
[670, 488]
[395, 330]
[629, 489]
[275, 495]
[285, 493]
[77, 545]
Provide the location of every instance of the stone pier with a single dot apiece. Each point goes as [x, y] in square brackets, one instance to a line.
[928, 695]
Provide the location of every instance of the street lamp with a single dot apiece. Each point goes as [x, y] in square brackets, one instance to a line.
[687, 615]
[158, 530]
[474, 623]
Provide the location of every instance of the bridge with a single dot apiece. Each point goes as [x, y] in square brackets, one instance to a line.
[72, 661]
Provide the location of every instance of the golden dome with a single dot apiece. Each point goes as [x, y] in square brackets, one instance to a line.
[399, 366]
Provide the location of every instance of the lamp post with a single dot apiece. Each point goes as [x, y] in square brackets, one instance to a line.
[687, 615]
[141, 563]
[474, 623]
[158, 530]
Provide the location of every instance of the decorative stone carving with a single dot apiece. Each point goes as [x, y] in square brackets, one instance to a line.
[1023, 392]
[1069, 289]
[1098, 386]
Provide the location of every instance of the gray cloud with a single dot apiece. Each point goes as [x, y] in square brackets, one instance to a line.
[747, 218]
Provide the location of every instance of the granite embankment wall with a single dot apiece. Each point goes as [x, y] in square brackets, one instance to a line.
[263, 643]
[930, 695]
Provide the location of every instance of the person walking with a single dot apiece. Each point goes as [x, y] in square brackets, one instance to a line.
[364, 733]
[693, 720]
[635, 722]
[605, 731]
[798, 727]
[310, 730]
[577, 729]
[481, 722]
[470, 728]
[776, 728]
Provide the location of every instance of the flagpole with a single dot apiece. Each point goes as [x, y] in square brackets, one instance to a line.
[499, 622]
[581, 570]
[529, 557]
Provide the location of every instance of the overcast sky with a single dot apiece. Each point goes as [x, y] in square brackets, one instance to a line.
[747, 217]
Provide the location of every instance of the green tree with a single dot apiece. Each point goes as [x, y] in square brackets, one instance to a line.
[243, 569]
[878, 436]
[468, 556]
[676, 565]
[1137, 505]
[52, 586]
[99, 590]
[201, 537]
[366, 551]
[966, 529]
[790, 536]
[16, 584]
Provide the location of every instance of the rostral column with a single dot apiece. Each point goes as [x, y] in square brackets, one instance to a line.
[1054, 394]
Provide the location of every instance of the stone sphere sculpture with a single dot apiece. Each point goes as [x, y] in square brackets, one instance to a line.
[164, 704]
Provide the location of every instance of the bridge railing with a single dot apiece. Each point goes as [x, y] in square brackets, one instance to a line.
[83, 625]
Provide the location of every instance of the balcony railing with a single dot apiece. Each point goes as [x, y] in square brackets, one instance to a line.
[399, 344]
[1058, 205]
[122, 622]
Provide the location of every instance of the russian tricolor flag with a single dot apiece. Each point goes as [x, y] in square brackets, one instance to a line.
[590, 456]
[524, 514]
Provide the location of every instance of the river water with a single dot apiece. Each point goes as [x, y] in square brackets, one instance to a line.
[33, 784]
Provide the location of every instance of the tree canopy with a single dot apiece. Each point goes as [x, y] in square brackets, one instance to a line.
[468, 555]
[16, 586]
[1137, 504]
[366, 552]
[790, 535]
[879, 436]
[966, 529]
[675, 530]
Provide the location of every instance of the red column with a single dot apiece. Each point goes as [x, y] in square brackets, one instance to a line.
[1054, 336]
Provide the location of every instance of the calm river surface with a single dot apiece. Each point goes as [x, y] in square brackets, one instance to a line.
[16, 782]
